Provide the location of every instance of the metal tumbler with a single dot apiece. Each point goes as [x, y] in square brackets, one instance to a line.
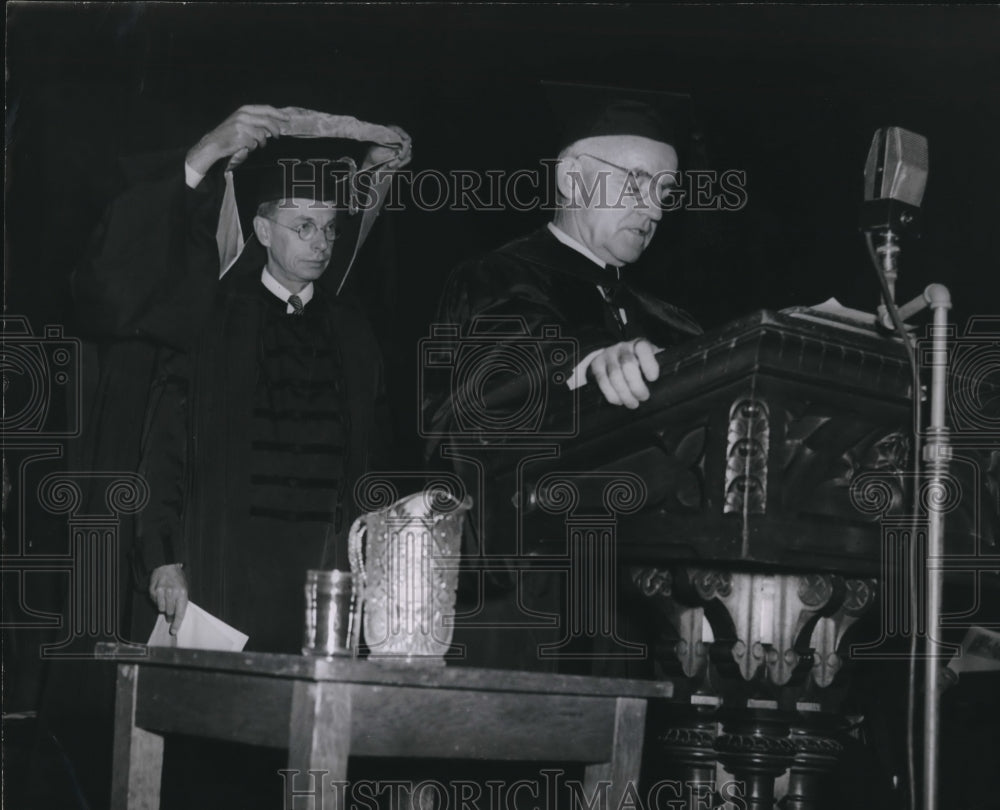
[329, 614]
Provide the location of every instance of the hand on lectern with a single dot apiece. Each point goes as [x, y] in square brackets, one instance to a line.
[621, 371]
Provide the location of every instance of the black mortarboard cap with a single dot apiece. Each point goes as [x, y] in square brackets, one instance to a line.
[309, 168]
[589, 111]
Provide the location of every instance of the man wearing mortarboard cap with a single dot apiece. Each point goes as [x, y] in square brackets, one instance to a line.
[267, 394]
[617, 161]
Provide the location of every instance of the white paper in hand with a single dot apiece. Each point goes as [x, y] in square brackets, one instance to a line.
[200, 630]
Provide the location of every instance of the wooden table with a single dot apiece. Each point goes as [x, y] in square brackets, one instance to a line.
[324, 711]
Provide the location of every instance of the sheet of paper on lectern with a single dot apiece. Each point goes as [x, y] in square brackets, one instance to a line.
[200, 630]
[833, 310]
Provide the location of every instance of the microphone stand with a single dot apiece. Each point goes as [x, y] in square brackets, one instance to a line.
[888, 250]
[937, 452]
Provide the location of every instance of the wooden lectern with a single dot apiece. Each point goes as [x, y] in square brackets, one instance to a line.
[753, 511]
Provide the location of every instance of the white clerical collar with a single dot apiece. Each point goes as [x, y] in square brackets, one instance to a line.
[579, 247]
[275, 286]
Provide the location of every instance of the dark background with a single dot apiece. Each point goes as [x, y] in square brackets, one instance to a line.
[790, 95]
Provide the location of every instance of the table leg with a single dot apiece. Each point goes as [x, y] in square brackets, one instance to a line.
[319, 743]
[138, 754]
[621, 772]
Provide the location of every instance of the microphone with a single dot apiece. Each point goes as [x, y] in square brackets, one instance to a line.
[895, 177]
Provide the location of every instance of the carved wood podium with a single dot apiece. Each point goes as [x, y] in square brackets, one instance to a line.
[750, 513]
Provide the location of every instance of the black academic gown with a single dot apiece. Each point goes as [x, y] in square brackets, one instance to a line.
[546, 282]
[136, 291]
[172, 349]
[150, 289]
[143, 286]
[553, 291]
[247, 571]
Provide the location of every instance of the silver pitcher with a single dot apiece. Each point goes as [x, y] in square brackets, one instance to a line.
[405, 559]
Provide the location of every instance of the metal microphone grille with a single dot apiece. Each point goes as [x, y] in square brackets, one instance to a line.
[897, 166]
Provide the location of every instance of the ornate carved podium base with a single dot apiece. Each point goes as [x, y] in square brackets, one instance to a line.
[759, 653]
[751, 757]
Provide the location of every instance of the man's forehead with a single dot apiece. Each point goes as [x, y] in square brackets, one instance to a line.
[631, 151]
[305, 206]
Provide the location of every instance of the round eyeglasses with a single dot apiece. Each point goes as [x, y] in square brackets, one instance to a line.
[307, 231]
[660, 187]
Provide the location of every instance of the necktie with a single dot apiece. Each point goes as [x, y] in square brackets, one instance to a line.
[647, 316]
[297, 305]
[630, 298]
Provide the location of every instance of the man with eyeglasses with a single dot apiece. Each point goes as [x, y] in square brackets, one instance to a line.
[617, 163]
[224, 365]
[266, 394]
[614, 177]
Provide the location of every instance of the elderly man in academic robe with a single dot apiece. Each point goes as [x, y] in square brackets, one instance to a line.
[565, 282]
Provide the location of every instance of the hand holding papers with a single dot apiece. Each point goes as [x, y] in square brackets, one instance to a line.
[200, 630]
